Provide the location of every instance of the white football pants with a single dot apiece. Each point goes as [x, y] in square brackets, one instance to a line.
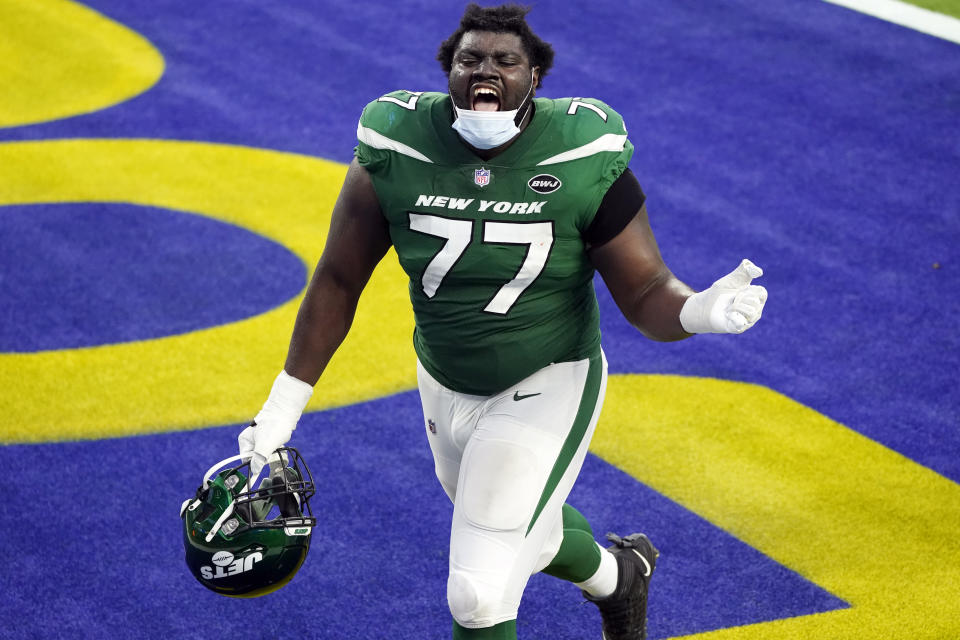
[508, 462]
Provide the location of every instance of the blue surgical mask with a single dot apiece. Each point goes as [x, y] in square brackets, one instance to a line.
[488, 129]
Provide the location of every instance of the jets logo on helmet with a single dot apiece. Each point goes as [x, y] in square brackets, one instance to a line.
[227, 566]
[243, 542]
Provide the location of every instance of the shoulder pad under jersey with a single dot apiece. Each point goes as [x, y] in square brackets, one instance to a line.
[585, 127]
[399, 121]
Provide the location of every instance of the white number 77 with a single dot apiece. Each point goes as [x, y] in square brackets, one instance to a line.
[538, 236]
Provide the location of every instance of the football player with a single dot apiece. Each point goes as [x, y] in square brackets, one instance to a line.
[501, 206]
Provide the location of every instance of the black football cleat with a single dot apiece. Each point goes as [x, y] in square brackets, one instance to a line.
[624, 612]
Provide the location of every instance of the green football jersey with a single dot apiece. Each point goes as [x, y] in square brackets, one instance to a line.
[500, 281]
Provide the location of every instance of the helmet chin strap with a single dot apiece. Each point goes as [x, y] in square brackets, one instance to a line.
[219, 523]
[222, 463]
[275, 462]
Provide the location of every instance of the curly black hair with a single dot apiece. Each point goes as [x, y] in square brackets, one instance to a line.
[507, 18]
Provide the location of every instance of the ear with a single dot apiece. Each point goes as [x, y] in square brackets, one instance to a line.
[536, 78]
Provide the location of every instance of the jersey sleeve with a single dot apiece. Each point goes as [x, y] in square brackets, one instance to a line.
[616, 156]
[368, 156]
[594, 137]
[390, 125]
[613, 140]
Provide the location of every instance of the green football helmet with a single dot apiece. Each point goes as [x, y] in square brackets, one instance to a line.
[244, 542]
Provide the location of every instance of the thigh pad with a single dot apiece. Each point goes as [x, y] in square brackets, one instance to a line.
[501, 483]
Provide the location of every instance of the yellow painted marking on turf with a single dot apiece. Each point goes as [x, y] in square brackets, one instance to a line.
[214, 376]
[869, 525]
[60, 59]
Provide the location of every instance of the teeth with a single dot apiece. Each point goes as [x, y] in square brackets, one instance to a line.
[483, 90]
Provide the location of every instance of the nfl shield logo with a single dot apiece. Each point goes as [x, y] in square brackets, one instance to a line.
[481, 177]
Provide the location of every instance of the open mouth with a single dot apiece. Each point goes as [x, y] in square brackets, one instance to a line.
[485, 99]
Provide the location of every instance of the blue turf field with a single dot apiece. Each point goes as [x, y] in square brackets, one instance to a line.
[822, 144]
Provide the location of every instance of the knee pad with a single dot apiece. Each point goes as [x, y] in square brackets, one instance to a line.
[462, 597]
[474, 604]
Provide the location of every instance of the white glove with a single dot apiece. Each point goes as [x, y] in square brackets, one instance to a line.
[275, 423]
[730, 305]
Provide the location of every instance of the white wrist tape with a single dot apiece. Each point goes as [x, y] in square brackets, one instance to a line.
[288, 398]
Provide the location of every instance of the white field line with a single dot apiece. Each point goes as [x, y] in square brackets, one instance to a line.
[907, 15]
